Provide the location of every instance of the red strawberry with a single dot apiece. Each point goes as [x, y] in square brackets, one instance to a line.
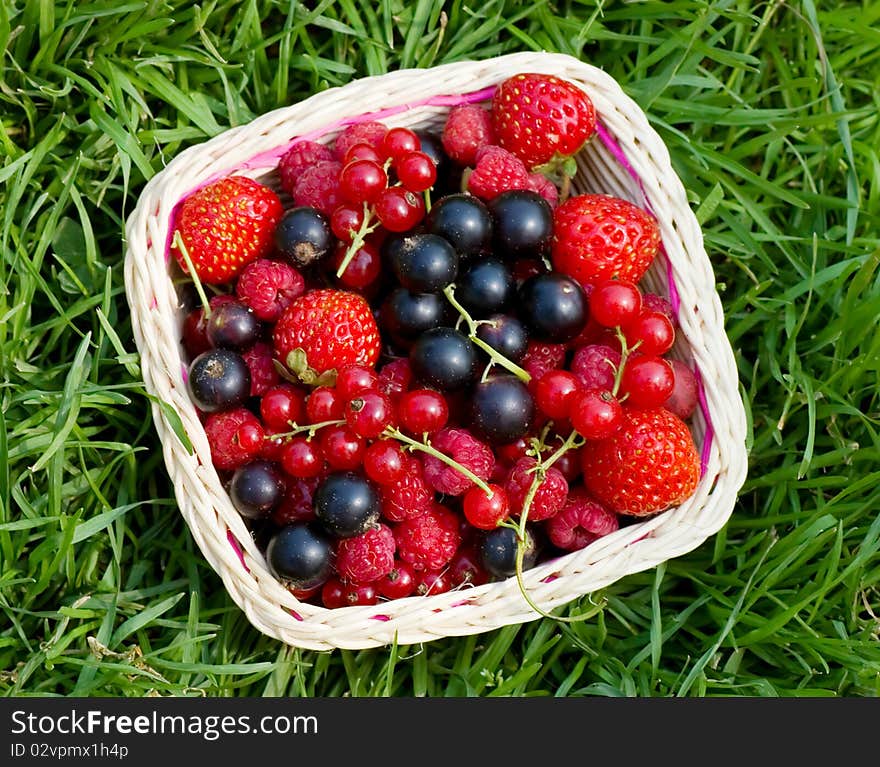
[648, 466]
[226, 225]
[598, 237]
[541, 117]
[327, 329]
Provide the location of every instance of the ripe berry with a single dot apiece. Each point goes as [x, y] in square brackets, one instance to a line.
[268, 287]
[318, 187]
[553, 307]
[615, 303]
[398, 142]
[346, 504]
[651, 333]
[369, 414]
[467, 128]
[303, 235]
[300, 555]
[346, 221]
[496, 171]
[422, 411]
[235, 437]
[428, 541]
[506, 335]
[466, 567]
[260, 359]
[337, 593]
[464, 449]
[424, 263]
[416, 171]
[502, 409]
[580, 522]
[399, 582]
[367, 557]
[406, 315]
[362, 181]
[595, 366]
[256, 489]
[522, 224]
[685, 392]
[555, 393]
[431, 582]
[394, 378]
[399, 209]
[324, 404]
[363, 268]
[218, 379]
[302, 458]
[362, 151]
[498, 551]
[384, 462]
[351, 380]
[647, 381]
[541, 357]
[596, 414]
[486, 511]
[409, 496]
[485, 288]
[444, 358]
[462, 220]
[368, 132]
[549, 497]
[341, 447]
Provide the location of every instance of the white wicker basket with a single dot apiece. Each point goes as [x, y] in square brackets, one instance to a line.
[629, 160]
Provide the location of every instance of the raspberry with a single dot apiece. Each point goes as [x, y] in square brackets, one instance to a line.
[594, 366]
[296, 505]
[468, 128]
[409, 497]
[540, 357]
[235, 437]
[395, 378]
[370, 132]
[463, 448]
[496, 171]
[263, 373]
[368, 556]
[268, 287]
[318, 187]
[299, 157]
[430, 540]
[580, 522]
[539, 183]
[550, 496]
[655, 303]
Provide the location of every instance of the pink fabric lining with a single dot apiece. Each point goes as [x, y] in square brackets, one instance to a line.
[236, 547]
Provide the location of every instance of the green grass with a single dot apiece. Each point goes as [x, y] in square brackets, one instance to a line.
[770, 112]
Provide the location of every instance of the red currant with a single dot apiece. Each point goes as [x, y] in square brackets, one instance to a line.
[416, 171]
[362, 181]
[346, 220]
[400, 141]
[555, 392]
[369, 414]
[513, 451]
[281, 406]
[431, 582]
[342, 448]
[422, 411]
[353, 379]
[324, 404]
[466, 567]
[384, 462]
[615, 303]
[399, 583]
[361, 150]
[647, 381]
[338, 593]
[653, 332]
[302, 458]
[362, 270]
[486, 511]
[399, 209]
[597, 414]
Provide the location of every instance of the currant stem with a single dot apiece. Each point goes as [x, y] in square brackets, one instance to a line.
[312, 428]
[625, 351]
[360, 237]
[393, 433]
[494, 354]
[178, 243]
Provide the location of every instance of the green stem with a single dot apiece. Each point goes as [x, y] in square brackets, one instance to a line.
[494, 354]
[312, 428]
[357, 242]
[178, 243]
[430, 450]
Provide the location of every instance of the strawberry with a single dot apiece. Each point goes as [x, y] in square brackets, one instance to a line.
[598, 237]
[325, 329]
[648, 466]
[226, 225]
[541, 117]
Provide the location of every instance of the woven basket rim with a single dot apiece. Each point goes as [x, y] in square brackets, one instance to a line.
[642, 167]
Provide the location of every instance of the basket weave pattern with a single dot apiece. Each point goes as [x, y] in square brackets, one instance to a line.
[627, 159]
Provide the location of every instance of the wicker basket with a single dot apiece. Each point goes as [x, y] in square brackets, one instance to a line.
[627, 159]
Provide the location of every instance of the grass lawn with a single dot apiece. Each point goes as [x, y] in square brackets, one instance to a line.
[770, 112]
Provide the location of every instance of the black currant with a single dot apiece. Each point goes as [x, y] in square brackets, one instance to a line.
[498, 551]
[444, 359]
[522, 224]
[301, 555]
[553, 307]
[256, 489]
[346, 504]
[506, 335]
[462, 220]
[502, 409]
[303, 235]
[485, 287]
[424, 263]
[233, 325]
[218, 379]
[406, 315]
